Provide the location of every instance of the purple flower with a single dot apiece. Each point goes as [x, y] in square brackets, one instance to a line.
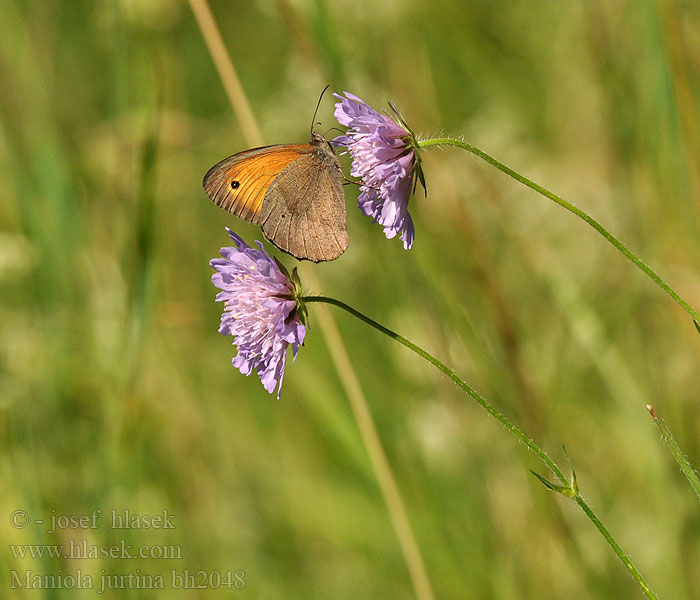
[384, 157]
[261, 309]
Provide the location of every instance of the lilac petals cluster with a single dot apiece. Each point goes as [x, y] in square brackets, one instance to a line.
[261, 310]
[384, 158]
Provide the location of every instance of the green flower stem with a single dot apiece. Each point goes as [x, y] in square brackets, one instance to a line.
[571, 208]
[675, 449]
[503, 420]
[615, 546]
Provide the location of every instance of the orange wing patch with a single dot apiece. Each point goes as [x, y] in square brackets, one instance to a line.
[239, 183]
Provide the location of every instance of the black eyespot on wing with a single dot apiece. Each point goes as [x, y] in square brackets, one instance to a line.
[235, 185]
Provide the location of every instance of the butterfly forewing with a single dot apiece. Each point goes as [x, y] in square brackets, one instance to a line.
[239, 183]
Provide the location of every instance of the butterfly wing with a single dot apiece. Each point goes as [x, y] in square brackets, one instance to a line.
[303, 212]
[239, 183]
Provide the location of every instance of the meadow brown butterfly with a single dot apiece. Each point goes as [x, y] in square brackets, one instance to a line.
[293, 191]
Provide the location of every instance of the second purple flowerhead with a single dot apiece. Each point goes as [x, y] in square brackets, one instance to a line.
[263, 310]
[384, 156]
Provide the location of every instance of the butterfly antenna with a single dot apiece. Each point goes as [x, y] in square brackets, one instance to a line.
[313, 121]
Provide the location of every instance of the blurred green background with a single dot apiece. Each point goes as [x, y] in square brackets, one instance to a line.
[117, 392]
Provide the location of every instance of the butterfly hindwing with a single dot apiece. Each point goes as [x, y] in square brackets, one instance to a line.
[304, 210]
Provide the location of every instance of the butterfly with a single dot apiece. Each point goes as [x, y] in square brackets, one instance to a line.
[293, 191]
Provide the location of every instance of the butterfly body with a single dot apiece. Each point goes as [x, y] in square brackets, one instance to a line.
[293, 191]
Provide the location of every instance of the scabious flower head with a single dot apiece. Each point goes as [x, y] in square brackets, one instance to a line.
[262, 310]
[384, 155]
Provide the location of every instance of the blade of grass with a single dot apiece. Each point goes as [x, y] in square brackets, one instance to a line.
[329, 329]
[677, 56]
[140, 257]
[370, 437]
[675, 449]
[227, 72]
[49, 214]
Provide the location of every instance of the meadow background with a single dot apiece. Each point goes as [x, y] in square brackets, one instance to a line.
[116, 391]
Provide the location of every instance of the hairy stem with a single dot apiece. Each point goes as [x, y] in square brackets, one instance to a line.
[571, 208]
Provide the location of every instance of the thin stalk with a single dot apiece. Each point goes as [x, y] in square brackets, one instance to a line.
[675, 449]
[571, 208]
[503, 420]
[380, 464]
[227, 73]
[616, 547]
[377, 456]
